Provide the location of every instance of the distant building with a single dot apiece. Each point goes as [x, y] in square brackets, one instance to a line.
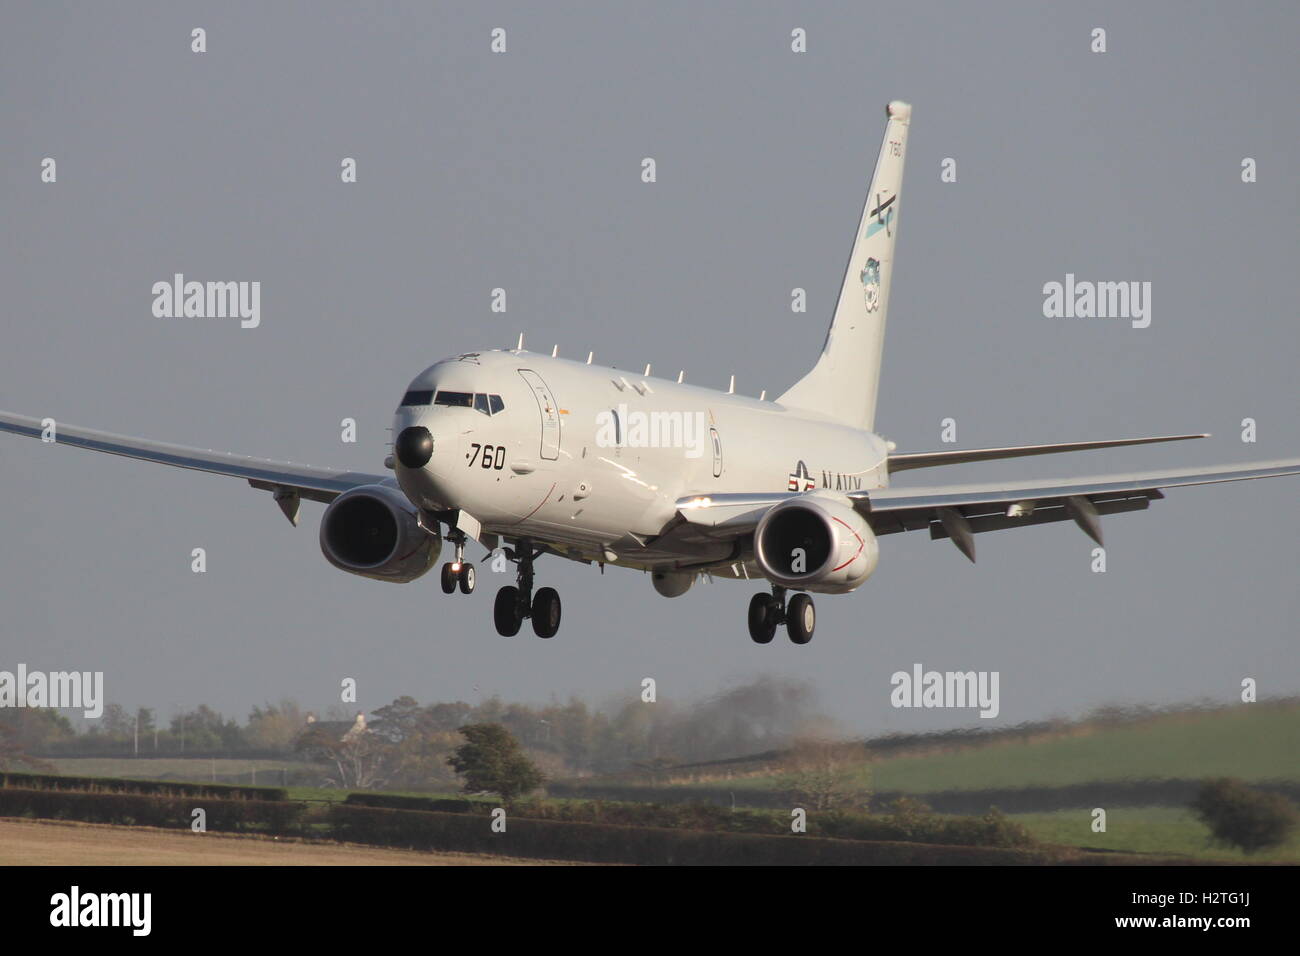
[346, 731]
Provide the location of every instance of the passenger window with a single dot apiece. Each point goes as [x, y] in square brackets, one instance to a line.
[481, 403]
[418, 397]
[497, 404]
[455, 399]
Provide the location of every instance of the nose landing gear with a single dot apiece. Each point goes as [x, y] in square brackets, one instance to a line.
[767, 612]
[459, 572]
[514, 603]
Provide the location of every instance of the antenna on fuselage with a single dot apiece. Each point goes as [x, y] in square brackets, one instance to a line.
[731, 389]
[520, 346]
[762, 396]
[555, 350]
[647, 369]
[590, 356]
[681, 376]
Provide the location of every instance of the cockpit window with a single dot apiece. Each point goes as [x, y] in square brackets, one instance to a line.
[479, 401]
[460, 399]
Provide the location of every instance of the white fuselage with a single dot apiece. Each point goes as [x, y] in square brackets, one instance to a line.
[592, 460]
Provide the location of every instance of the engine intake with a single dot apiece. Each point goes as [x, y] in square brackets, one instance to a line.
[816, 543]
[374, 531]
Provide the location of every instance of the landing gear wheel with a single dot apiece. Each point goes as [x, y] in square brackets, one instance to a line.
[762, 618]
[448, 578]
[506, 612]
[546, 612]
[467, 578]
[801, 619]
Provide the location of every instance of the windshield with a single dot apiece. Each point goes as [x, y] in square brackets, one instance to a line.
[479, 401]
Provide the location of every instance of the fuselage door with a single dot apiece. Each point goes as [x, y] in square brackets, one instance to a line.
[549, 411]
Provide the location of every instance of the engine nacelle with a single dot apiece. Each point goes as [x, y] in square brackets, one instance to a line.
[672, 583]
[816, 543]
[374, 531]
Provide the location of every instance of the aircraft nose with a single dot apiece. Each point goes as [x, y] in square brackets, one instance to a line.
[414, 446]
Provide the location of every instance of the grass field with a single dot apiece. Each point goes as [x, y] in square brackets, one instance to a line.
[262, 773]
[1157, 830]
[58, 843]
[1252, 742]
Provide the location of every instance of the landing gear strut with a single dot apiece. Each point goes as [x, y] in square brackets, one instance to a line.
[459, 571]
[513, 604]
[767, 612]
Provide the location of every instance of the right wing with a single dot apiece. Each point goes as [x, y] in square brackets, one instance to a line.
[287, 480]
[961, 511]
[929, 459]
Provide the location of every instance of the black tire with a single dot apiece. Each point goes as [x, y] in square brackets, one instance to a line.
[467, 578]
[448, 579]
[546, 612]
[762, 618]
[801, 618]
[506, 612]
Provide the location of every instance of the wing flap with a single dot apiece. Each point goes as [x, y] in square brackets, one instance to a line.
[999, 521]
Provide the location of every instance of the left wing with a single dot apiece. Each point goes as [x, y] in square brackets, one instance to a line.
[287, 480]
[961, 511]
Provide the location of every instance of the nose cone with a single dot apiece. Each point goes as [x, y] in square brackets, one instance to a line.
[414, 446]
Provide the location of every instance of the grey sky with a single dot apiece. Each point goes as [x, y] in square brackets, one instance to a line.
[522, 171]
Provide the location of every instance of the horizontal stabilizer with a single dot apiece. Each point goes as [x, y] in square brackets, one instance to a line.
[930, 459]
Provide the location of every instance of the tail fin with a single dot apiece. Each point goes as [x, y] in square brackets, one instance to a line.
[844, 381]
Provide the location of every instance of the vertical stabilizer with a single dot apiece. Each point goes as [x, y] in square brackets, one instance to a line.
[844, 382]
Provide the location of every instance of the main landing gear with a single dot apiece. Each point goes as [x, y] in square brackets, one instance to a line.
[459, 572]
[513, 604]
[767, 612]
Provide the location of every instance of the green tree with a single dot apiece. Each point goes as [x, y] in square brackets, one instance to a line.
[14, 757]
[144, 721]
[205, 729]
[275, 726]
[36, 729]
[419, 742]
[490, 759]
[1241, 817]
[115, 722]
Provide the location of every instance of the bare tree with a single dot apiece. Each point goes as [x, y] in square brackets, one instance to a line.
[360, 758]
[822, 774]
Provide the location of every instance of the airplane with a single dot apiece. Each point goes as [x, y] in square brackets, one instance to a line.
[531, 455]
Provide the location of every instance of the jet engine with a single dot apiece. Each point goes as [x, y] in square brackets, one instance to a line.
[816, 543]
[374, 531]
